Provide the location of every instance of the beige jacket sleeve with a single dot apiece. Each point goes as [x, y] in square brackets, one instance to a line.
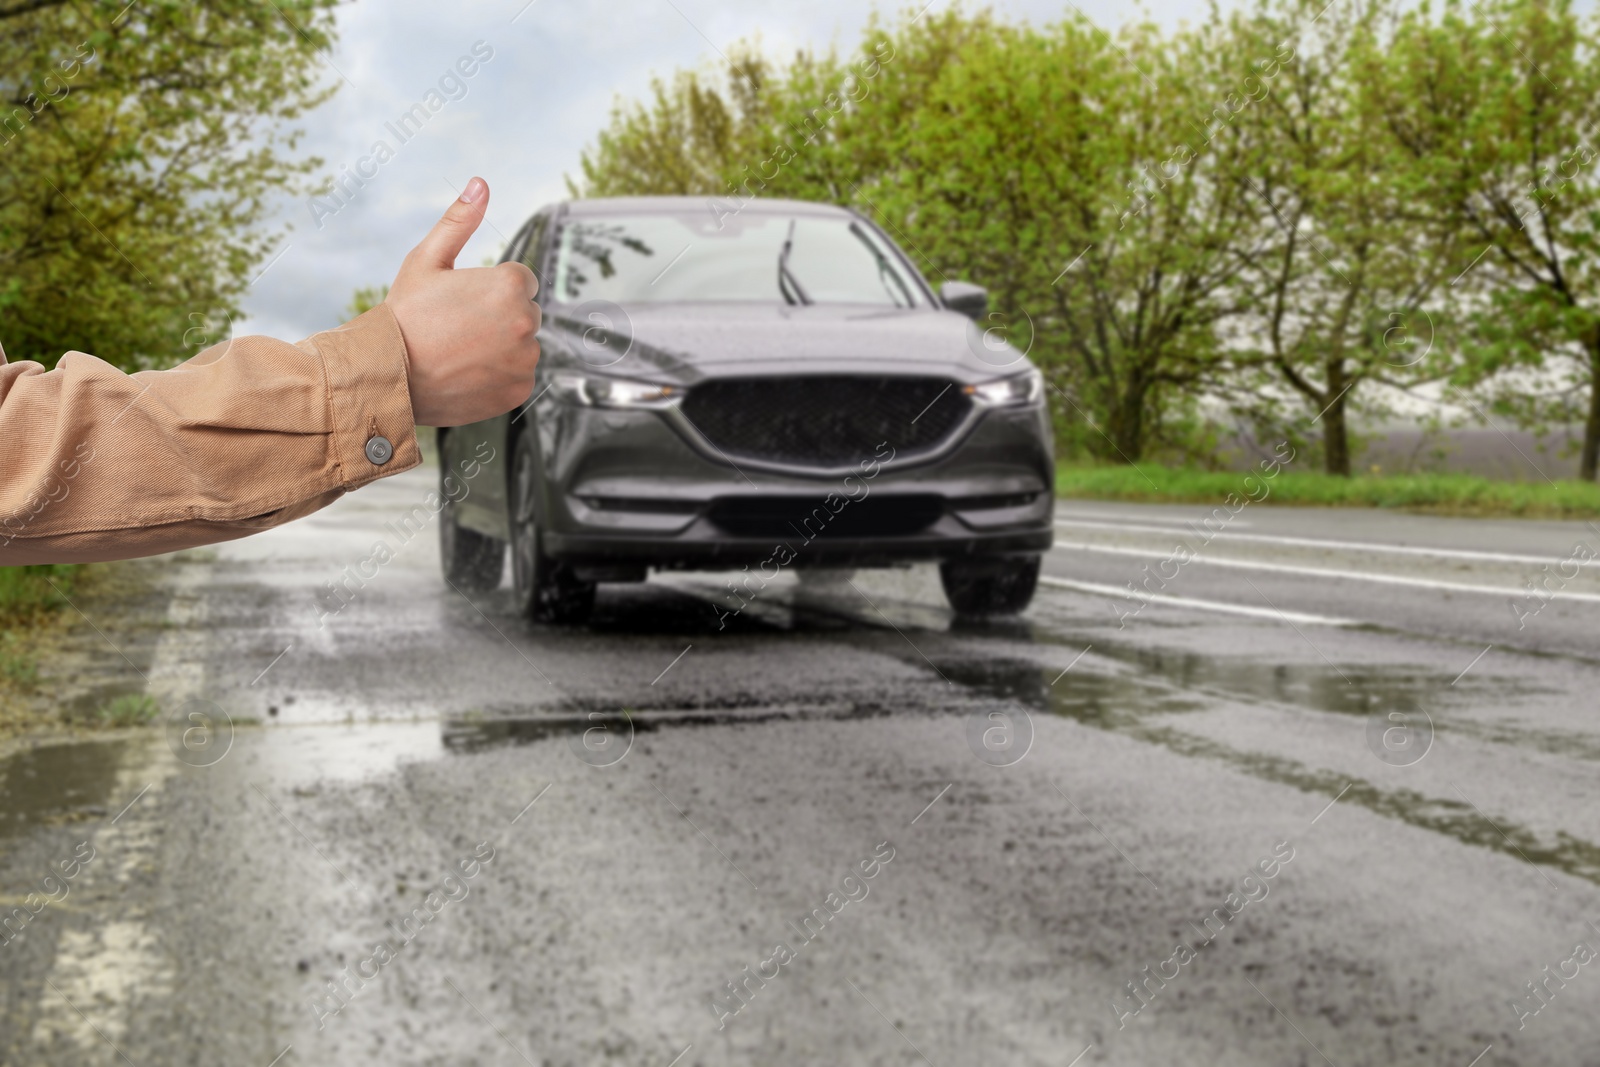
[96, 464]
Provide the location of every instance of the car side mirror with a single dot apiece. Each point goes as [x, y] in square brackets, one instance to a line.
[970, 300]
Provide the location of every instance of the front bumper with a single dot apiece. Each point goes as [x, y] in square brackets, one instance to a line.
[625, 489]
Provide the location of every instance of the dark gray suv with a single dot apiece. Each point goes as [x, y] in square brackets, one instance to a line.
[750, 389]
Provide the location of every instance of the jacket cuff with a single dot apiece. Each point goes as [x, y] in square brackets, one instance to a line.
[369, 398]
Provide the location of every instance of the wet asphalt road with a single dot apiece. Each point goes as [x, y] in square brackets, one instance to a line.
[1325, 801]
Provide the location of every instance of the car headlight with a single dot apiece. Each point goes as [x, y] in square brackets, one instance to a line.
[1008, 392]
[598, 392]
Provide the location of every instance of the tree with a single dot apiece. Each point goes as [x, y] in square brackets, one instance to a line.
[1344, 292]
[138, 147]
[686, 139]
[1063, 168]
[1499, 107]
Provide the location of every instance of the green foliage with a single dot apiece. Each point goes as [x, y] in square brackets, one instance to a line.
[684, 141]
[15, 663]
[1022, 170]
[26, 591]
[129, 709]
[1344, 288]
[138, 148]
[28, 600]
[1446, 494]
[364, 300]
[1499, 104]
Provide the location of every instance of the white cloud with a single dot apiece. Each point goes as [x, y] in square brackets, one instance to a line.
[528, 113]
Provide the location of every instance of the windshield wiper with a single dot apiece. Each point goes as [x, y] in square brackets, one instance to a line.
[885, 268]
[788, 284]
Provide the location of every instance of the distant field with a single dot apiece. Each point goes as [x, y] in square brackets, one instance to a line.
[1440, 494]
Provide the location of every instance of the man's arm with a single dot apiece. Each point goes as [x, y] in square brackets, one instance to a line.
[255, 432]
[248, 434]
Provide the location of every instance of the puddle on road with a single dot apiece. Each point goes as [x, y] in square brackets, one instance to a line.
[307, 755]
[1127, 704]
[1107, 701]
[73, 781]
[465, 734]
[1358, 691]
[60, 783]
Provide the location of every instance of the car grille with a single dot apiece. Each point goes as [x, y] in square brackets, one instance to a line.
[825, 420]
[798, 519]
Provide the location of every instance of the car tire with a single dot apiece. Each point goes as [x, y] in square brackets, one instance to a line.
[472, 562]
[996, 585]
[546, 590]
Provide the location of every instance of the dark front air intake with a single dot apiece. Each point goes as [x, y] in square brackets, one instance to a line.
[797, 519]
[825, 420]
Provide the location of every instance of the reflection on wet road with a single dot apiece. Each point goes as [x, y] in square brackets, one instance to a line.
[439, 834]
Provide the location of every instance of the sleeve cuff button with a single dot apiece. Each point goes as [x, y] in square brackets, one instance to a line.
[379, 450]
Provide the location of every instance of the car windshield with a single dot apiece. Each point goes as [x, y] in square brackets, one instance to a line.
[686, 257]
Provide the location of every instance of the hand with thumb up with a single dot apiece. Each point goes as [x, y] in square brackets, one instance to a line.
[470, 334]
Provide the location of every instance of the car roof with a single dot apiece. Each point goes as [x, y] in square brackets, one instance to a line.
[615, 205]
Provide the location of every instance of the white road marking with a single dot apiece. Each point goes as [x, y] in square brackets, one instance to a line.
[1199, 605]
[178, 667]
[1360, 546]
[1329, 572]
[104, 966]
[1099, 518]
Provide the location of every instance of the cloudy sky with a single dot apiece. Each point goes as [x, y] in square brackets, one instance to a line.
[556, 69]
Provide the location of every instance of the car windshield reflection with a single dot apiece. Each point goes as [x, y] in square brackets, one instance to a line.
[691, 257]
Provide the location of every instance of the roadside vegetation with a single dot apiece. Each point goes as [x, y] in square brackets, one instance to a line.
[129, 709]
[1439, 494]
[54, 676]
[29, 616]
[26, 596]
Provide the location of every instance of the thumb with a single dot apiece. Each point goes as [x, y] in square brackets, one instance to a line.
[450, 234]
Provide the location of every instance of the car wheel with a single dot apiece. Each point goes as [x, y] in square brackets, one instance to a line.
[473, 562]
[1000, 585]
[546, 590]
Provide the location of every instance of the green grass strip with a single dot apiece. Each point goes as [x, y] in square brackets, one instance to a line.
[25, 592]
[1442, 494]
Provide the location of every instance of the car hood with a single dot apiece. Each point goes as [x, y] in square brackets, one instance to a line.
[689, 342]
